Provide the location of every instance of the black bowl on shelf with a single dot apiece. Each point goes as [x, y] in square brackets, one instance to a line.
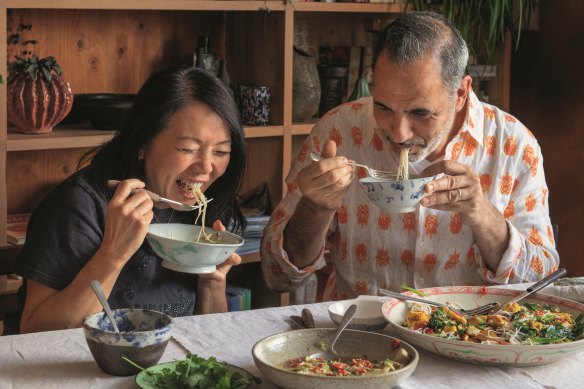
[105, 111]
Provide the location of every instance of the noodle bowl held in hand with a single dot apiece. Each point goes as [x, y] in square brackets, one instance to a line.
[396, 195]
[179, 249]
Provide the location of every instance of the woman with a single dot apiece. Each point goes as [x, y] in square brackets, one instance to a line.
[183, 129]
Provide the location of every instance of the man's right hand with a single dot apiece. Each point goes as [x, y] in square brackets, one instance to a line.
[325, 182]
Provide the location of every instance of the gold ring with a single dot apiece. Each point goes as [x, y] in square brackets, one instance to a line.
[459, 195]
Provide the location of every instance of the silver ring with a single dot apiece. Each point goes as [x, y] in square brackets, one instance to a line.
[459, 194]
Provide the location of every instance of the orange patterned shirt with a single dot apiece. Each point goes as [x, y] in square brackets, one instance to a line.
[371, 249]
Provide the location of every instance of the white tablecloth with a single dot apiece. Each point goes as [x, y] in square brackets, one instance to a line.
[61, 359]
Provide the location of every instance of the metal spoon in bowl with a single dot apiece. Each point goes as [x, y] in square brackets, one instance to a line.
[96, 286]
[330, 352]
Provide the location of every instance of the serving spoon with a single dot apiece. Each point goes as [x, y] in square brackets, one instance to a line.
[329, 352]
[96, 286]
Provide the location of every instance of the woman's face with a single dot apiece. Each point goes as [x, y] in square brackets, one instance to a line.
[195, 147]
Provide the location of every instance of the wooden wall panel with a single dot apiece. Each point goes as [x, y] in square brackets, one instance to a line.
[547, 95]
[264, 164]
[115, 51]
[32, 174]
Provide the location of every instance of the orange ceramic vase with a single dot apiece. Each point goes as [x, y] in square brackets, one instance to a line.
[36, 106]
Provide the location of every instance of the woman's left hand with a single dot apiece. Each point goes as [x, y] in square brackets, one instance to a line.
[223, 268]
[459, 190]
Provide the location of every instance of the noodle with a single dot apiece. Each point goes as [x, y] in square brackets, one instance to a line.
[202, 203]
[402, 171]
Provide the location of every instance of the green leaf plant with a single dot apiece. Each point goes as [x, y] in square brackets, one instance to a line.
[483, 23]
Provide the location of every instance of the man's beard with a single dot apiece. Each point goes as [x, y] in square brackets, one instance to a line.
[426, 147]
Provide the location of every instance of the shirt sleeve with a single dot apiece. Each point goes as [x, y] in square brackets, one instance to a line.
[531, 253]
[278, 272]
[63, 234]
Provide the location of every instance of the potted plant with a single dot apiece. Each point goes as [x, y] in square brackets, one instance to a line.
[38, 97]
[484, 23]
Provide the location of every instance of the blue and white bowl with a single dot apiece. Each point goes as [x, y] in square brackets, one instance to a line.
[143, 337]
[395, 196]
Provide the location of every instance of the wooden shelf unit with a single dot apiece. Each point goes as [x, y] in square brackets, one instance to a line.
[111, 46]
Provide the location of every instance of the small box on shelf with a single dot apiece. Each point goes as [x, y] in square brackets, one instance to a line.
[16, 225]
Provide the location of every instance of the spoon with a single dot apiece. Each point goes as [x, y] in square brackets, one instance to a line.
[96, 286]
[330, 352]
[159, 199]
[533, 288]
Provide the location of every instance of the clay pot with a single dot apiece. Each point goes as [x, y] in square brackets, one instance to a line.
[36, 106]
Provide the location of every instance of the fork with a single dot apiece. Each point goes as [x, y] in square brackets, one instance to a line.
[379, 174]
[157, 198]
[461, 311]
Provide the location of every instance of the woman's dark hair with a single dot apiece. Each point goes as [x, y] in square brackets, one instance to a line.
[162, 95]
[412, 35]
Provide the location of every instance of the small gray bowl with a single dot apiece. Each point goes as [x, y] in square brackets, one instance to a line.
[143, 337]
[270, 355]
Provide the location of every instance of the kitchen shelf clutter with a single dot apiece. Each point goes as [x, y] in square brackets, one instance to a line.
[112, 46]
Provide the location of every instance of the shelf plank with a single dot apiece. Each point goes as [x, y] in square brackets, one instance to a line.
[313, 6]
[302, 128]
[183, 5]
[58, 139]
[263, 131]
[65, 138]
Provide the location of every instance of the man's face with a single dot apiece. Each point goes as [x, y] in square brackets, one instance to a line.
[412, 107]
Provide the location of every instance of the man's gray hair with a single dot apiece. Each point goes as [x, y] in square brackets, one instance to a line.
[412, 35]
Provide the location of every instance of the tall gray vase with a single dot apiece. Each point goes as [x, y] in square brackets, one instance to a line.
[305, 86]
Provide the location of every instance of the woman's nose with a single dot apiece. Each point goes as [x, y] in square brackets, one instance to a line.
[204, 164]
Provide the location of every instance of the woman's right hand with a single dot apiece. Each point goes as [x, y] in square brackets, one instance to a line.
[127, 220]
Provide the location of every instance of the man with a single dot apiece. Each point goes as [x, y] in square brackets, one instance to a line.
[484, 221]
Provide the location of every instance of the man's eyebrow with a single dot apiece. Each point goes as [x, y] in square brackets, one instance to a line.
[419, 110]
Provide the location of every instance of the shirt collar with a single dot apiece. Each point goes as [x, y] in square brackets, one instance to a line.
[473, 123]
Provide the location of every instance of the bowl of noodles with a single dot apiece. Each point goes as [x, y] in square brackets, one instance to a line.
[188, 249]
[537, 330]
[395, 195]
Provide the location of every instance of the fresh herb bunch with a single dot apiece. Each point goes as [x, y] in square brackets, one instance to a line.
[195, 372]
[32, 66]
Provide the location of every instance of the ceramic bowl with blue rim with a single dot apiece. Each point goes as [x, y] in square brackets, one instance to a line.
[176, 244]
[395, 196]
[143, 337]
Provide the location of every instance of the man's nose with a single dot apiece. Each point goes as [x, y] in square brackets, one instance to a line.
[401, 130]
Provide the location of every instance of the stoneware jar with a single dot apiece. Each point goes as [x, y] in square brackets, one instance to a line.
[305, 86]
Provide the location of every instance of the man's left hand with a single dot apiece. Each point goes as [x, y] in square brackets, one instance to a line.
[459, 190]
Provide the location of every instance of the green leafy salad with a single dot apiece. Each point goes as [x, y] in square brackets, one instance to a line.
[196, 372]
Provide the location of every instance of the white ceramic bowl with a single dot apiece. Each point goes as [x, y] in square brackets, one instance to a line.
[143, 337]
[368, 316]
[395, 196]
[270, 355]
[175, 244]
[485, 354]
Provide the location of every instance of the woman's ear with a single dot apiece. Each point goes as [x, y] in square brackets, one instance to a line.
[462, 92]
[141, 154]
